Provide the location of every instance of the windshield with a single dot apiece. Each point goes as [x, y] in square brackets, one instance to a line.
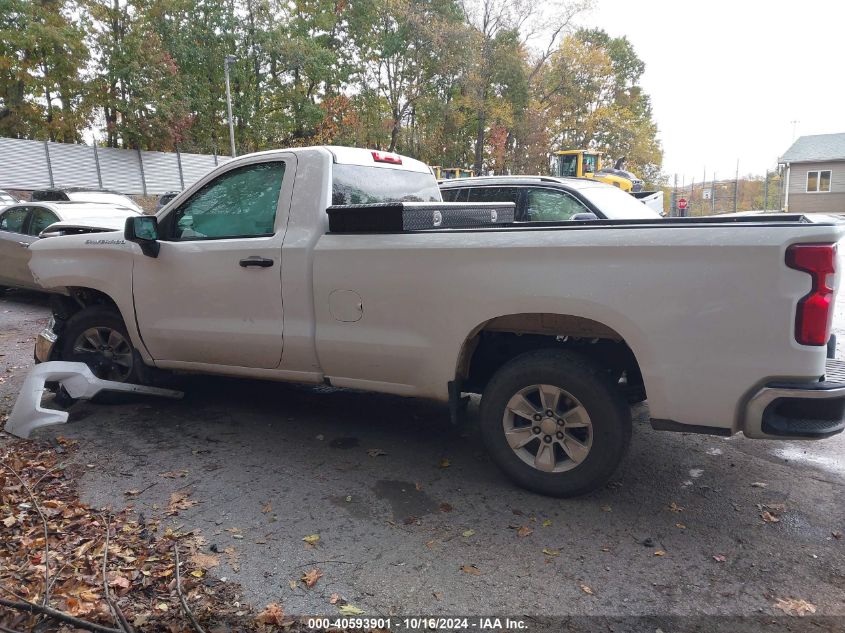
[358, 184]
[615, 204]
[567, 165]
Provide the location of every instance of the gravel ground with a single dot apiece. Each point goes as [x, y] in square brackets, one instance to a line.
[677, 533]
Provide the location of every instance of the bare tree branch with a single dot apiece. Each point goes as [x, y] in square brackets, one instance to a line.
[115, 610]
[182, 600]
[31, 607]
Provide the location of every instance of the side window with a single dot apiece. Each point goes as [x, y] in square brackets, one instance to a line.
[454, 195]
[239, 203]
[494, 194]
[13, 220]
[548, 205]
[41, 219]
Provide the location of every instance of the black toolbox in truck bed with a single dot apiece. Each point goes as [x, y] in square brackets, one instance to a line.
[396, 217]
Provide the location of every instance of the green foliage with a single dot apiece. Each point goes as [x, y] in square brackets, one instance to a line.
[450, 82]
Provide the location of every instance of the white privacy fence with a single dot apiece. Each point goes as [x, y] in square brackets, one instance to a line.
[32, 165]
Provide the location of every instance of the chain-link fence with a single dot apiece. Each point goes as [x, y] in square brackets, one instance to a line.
[28, 165]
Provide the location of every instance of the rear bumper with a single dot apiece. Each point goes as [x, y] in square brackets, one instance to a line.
[812, 410]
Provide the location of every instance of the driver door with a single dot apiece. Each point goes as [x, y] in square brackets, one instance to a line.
[213, 295]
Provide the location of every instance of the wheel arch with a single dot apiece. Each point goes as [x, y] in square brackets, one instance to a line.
[78, 298]
[497, 340]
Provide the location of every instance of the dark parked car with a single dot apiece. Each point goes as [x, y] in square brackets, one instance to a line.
[165, 198]
[547, 199]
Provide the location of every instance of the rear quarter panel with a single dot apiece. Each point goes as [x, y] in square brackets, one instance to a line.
[707, 310]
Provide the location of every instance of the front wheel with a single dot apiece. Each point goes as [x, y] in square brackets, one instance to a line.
[555, 422]
[97, 337]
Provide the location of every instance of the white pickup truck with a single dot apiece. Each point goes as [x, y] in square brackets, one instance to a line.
[721, 324]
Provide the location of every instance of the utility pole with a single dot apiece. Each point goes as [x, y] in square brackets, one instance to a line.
[230, 59]
[736, 184]
[713, 196]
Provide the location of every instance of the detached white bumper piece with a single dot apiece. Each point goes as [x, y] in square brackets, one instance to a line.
[79, 382]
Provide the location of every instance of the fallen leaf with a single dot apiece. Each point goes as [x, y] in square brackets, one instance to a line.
[471, 569]
[293, 584]
[132, 493]
[310, 578]
[334, 598]
[587, 589]
[445, 507]
[267, 508]
[204, 561]
[444, 463]
[197, 573]
[119, 582]
[758, 484]
[547, 523]
[467, 533]
[680, 526]
[768, 517]
[836, 535]
[606, 508]
[375, 452]
[524, 531]
[674, 507]
[348, 609]
[418, 486]
[719, 558]
[9, 521]
[437, 595]
[273, 614]
[794, 606]
[660, 552]
[548, 551]
[174, 474]
[179, 501]
[312, 539]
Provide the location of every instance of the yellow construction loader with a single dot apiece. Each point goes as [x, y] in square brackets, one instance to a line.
[582, 163]
[450, 173]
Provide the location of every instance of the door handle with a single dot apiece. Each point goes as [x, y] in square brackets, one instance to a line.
[23, 244]
[256, 261]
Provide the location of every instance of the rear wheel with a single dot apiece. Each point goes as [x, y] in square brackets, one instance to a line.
[555, 422]
[97, 337]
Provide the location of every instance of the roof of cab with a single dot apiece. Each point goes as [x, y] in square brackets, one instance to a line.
[353, 156]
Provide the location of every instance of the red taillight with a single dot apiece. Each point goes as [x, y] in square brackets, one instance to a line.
[815, 310]
[384, 157]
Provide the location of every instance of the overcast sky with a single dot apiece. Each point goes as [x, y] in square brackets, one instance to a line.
[726, 78]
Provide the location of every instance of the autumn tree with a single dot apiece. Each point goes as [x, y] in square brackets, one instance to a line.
[42, 69]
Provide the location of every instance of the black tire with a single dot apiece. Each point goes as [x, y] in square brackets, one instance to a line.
[608, 431]
[103, 319]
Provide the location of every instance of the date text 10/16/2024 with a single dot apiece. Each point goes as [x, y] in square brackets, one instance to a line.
[419, 623]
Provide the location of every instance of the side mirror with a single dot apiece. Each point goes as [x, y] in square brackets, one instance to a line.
[143, 230]
[582, 217]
